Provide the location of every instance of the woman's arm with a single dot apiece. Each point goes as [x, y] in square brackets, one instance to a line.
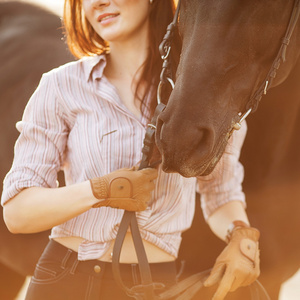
[220, 220]
[36, 209]
[223, 202]
[238, 264]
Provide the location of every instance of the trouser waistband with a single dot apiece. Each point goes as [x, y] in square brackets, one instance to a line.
[165, 272]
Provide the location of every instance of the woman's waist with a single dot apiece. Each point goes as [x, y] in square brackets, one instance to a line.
[128, 253]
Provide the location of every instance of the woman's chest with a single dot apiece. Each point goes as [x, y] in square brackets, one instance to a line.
[106, 138]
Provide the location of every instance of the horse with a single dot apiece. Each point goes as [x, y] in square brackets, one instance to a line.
[30, 44]
[231, 54]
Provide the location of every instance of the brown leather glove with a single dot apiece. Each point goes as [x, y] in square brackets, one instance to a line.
[125, 188]
[238, 264]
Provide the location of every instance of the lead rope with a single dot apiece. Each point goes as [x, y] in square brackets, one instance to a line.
[184, 289]
[145, 291]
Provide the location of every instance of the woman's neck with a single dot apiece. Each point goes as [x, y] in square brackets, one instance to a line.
[123, 70]
[126, 58]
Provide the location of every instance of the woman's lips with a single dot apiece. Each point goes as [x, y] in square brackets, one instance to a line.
[105, 18]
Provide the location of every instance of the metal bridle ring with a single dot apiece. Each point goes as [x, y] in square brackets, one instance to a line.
[238, 125]
[167, 52]
[161, 83]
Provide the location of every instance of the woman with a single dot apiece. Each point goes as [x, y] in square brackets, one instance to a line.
[89, 118]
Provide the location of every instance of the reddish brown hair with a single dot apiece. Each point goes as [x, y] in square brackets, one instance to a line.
[82, 40]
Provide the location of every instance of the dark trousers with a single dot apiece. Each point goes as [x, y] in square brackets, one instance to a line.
[60, 276]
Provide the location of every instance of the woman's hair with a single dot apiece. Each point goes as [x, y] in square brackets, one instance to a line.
[82, 41]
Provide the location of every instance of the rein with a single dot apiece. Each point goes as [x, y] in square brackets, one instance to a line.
[187, 288]
[145, 291]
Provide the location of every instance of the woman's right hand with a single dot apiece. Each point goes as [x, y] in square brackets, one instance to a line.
[127, 189]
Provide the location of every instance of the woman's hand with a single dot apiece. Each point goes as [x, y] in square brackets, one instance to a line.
[238, 264]
[125, 189]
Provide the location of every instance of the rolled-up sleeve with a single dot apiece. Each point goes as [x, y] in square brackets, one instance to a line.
[40, 146]
[224, 184]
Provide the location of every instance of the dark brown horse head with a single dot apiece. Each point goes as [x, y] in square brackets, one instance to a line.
[228, 49]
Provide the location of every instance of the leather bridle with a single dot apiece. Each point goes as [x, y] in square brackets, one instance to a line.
[186, 288]
[165, 49]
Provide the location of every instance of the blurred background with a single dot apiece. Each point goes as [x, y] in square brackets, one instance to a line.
[53, 5]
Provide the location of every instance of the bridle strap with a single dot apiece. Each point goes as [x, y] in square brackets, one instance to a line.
[129, 218]
[144, 291]
[281, 57]
[129, 221]
[165, 45]
[165, 49]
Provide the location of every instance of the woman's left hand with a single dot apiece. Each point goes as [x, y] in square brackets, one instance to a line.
[238, 264]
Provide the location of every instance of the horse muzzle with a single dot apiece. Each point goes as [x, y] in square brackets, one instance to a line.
[187, 150]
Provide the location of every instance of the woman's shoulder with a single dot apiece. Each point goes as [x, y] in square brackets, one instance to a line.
[81, 68]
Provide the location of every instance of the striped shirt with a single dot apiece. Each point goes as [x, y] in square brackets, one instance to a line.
[75, 121]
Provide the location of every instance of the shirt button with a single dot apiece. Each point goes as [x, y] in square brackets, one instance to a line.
[97, 269]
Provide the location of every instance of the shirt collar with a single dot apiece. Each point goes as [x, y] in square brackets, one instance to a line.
[94, 66]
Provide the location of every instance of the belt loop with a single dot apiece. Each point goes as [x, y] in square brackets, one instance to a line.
[134, 274]
[74, 266]
[65, 260]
